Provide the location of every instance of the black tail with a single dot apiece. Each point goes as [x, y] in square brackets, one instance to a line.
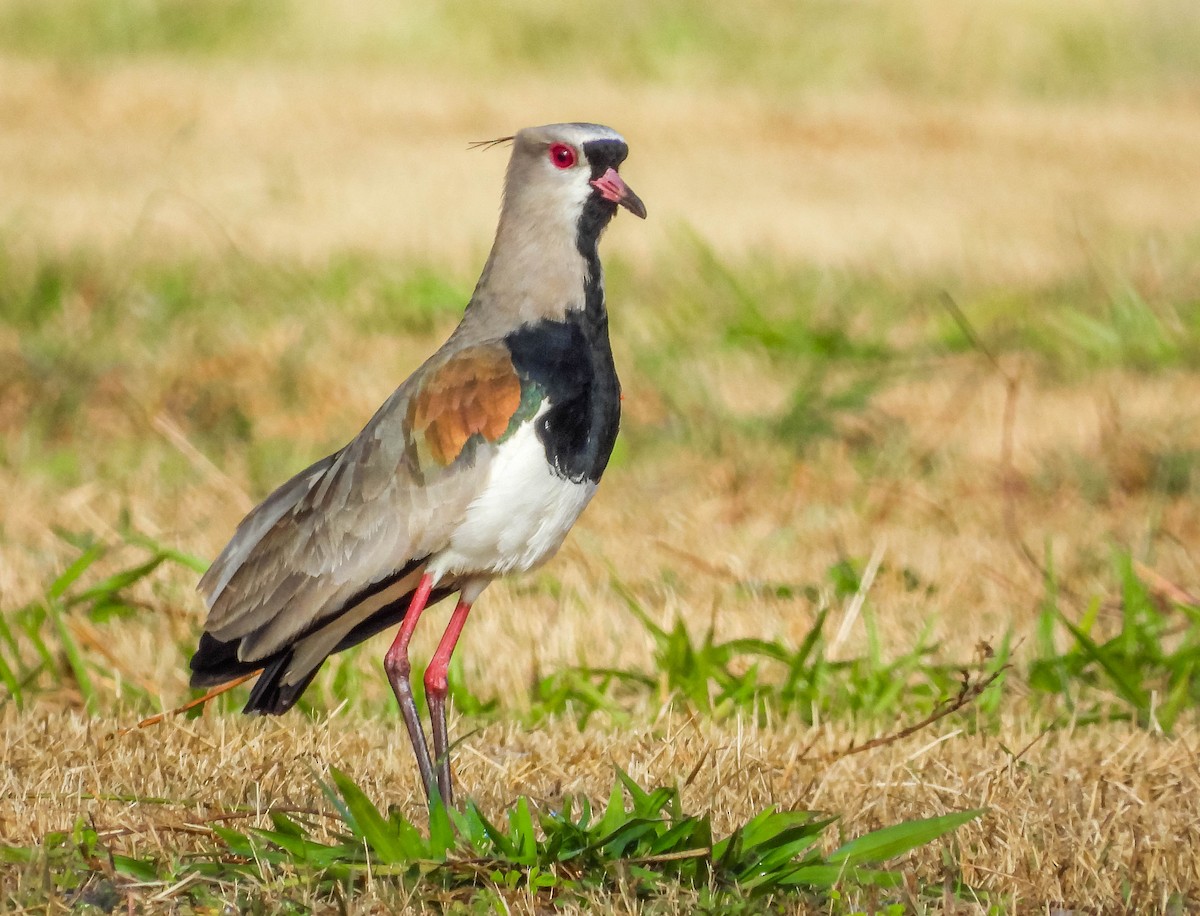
[216, 662]
[272, 698]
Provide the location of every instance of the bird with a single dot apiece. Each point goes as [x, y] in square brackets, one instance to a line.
[474, 468]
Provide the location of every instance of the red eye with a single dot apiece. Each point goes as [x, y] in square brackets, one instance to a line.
[562, 155]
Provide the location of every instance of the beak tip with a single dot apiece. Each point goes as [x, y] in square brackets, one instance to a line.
[612, 187]
[633, 204]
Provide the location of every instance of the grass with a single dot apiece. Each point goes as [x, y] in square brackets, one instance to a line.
[856, 644]
[640, 842]
[888, 600]
[1145, 672]
[1093, 48]
[855, 649]
[1143, 668]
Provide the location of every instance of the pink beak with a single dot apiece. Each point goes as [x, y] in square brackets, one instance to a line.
[612, 187]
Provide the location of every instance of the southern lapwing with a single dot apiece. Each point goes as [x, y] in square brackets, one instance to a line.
[476, 466]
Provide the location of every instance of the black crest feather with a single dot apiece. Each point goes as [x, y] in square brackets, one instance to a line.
[488, 144]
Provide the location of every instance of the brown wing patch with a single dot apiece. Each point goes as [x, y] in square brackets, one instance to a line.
[476, 392]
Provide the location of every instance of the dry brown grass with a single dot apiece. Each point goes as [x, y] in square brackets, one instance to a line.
[161, 159]
[288, 161]
[1083, 817]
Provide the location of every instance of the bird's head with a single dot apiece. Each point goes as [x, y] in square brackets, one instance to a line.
[562, 189]
[566, 175]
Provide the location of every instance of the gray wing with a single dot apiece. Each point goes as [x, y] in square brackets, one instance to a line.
[390, 498]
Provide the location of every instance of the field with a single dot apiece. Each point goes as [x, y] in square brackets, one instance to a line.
[902, 522]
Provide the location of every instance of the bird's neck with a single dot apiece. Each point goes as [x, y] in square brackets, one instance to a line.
[536, 272]
[595, 313]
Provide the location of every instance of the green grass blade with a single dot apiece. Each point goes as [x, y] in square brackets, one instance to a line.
[238, 843]
[817, 877]
[10, 680]
[881, 845]
[138, 869]
[116, 582]
[759, 647]
[285, 824]
[441, 829]
[67, 578]
[614, 814]
[75, 658]
[368, 824]
[6, 634]
[635, 608]
[483, 832]
[336, 800]
[190, 561]
[1130, 692]
[623, 842]
[521, 829]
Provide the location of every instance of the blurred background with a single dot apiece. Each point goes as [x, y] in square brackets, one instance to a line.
[1001, 140]
[918, 278]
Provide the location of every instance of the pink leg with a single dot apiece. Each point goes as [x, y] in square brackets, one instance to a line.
[398, 669]
[436, 688]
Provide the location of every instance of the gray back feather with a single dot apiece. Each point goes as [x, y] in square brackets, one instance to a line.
[348, 521]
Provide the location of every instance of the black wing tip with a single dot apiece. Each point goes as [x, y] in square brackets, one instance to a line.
[217, 662]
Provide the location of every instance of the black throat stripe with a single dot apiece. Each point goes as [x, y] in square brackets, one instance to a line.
[571, 362]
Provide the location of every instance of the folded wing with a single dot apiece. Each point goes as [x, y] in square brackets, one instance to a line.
[340, 547]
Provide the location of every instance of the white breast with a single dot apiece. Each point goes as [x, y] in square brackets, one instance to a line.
[521, 517]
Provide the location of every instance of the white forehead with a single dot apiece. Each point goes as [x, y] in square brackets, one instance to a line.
[576, 133]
